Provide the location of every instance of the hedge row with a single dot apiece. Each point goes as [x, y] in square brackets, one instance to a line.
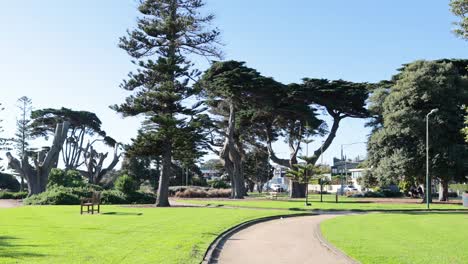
[13, 195]
[59, 195]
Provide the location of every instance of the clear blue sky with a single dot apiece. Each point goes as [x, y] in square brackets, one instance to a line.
[64, 53]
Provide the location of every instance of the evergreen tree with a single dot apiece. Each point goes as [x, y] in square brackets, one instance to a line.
[23, 129]
[169, 31]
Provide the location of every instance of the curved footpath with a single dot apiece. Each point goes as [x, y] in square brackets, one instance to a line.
[287, 240]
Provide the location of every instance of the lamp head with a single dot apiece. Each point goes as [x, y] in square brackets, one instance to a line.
[435, 110]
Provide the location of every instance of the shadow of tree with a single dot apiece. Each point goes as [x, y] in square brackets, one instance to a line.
[121, 213]
[10, 248]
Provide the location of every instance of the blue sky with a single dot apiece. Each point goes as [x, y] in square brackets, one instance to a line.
[64, 53]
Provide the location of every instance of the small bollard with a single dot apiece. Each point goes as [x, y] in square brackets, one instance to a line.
[336, 197]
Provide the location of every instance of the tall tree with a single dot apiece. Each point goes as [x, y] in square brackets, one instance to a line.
[340, 99]
[170, 31]
[293, 118]
[460, 9]
[23, 129]
[234, 91]
[397, 149]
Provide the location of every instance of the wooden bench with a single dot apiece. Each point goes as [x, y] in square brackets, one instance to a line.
[91, 202]
[273, 195]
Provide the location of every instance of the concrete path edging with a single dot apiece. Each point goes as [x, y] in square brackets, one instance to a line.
[213, 251]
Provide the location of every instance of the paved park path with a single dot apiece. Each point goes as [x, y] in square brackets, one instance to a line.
[289, 240]
[9, 203]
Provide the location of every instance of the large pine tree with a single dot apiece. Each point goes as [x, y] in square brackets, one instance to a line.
[167, 34]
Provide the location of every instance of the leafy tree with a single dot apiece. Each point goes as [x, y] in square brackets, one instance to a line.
[170, 31]
[291, 117]
[257, 168]
[397, 149]
[368, 179]
[340, 99]
[233, 92]
[23, 129]
[79, 148]
[141, 169]
[460, 9]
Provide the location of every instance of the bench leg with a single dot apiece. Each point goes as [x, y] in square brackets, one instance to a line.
[98, 208]
[81, 209]
[92, 209]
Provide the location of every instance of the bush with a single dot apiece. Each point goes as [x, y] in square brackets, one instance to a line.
[9, 182]
[374, 194]
[126, 184]
[57, 195]
[141, 198]
[218, 184]
[113, 197]
[201, 193]
[199, 181]
[13, 195]
[70, 178]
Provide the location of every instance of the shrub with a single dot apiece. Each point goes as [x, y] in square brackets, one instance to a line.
[201, 193]
[126, 184]
[70, 178]
[219, 193]
[9, 182]
[374, 194]
[58, 195]
[199, 181]
[113, 197]
[141, 198]
[13, 195]
[218, 184]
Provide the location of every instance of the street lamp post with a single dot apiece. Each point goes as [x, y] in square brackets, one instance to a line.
[428, 182]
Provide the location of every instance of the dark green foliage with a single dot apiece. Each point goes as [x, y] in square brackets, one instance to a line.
[141, 198]
[140, 168]
[9, 182]
[58, 195]
[126, 184]
[368, 180]
[257, 168]
[13, 195]
[70, 178]
[113, 197]
[218, 184]
[397, 149]
[199, 181]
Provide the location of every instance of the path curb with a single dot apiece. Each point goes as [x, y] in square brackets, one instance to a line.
[212, 253]
[325, 243]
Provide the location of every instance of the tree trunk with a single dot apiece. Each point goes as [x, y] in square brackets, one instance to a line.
[443, 190]
[38, 177]
[162, 199]
[297, 190]
[232, 159]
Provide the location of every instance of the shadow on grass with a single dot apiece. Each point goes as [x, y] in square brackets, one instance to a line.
[9, 248]
[121, 213]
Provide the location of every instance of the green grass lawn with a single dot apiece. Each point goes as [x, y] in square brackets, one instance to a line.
[345, 203]
[387, 238]
[59, 234]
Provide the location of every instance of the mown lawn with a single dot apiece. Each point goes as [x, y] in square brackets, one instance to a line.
[59, 234]
[387, 238]
[328, 203]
